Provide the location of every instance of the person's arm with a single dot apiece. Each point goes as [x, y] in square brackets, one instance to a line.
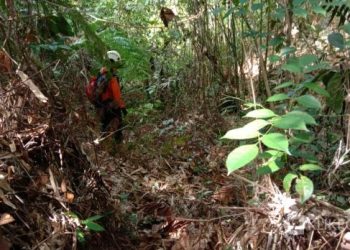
[117, 96]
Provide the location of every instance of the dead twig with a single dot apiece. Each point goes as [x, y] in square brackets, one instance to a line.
[208, 220]
[341, 237]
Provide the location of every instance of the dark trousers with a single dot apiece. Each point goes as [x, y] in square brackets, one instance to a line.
[109, 115]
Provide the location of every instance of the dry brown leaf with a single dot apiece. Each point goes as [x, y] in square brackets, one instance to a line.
[36, 91]
[77, 115]
[6, 155]
[43, 179]
[183, 243]
[44, 247]
[175, 227]
[31, 38]
[10, 172]
[53, 183]
[6, 201]
[20, 101]
[12, 147]
[4, 244]
[5, 62]
[6, 219]
[26, 165]
[29, 119]
[4, 185]
[224, 194]
[69, 197]
[63, 186]
[157, 208]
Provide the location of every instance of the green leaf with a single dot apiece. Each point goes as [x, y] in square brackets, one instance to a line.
[337, 93]
[300, 12]
[304, 187]
[271, 155]
[241, 156]
[241, 134]
[317, 88]
[292, 67]
[275, 164]
[337, 40]
[93, 226]
[260, 113]
[284, 85]
[263, 170]
[293, 120]
[277, 40]
[256, 124]
[306, 155]
[279, 14]
[287, 181]
[229, 12]
[271, 166]
[80, 235]
[317, 66]
[309, 101]
[278, 97]
[63, 26]
[263, 47]
[302, 137]
[346, 28]
[319, 10]
[92, 218]
[289, 122]
[217, 11]
[310, 167]
[274, 153]
[249, 105]
[257, 6]
[308, 119]
[276, 141]
[307, 59]
[274, 58]
[287, 50]
[3, 5]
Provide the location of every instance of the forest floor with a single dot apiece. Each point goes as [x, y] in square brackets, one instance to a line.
[169, 180]
[165, 187]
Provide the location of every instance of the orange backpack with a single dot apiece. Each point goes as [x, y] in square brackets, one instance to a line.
[96, 87]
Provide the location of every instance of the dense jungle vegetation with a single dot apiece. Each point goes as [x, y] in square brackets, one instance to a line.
[237, 134]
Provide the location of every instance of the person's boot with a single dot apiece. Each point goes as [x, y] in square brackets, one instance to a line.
[118, 138]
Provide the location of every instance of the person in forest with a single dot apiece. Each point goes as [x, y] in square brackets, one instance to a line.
[105, 93]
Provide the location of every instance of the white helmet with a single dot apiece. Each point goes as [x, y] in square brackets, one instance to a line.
[114, 56]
